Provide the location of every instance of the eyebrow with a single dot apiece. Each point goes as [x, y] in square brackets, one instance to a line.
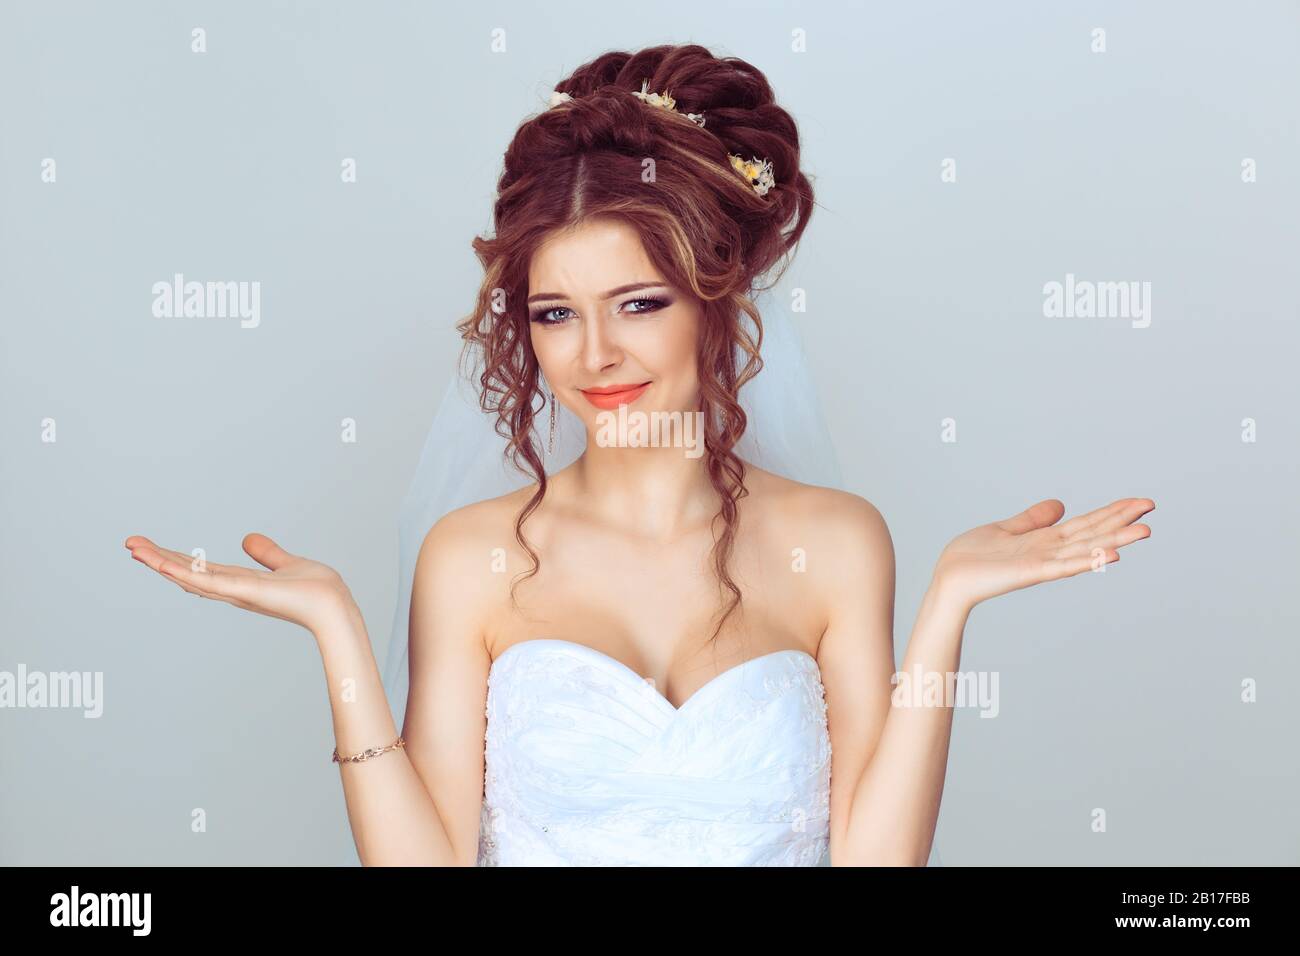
[621, 290]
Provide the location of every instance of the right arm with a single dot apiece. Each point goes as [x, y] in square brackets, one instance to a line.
[423, 806]
[414, 805]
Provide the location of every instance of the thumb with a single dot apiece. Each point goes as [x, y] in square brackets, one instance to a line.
[1046, 512]
[265, 551]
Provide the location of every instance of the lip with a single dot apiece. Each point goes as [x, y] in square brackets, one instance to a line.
[612, 396]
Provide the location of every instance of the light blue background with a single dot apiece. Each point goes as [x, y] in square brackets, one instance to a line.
[1119, 691]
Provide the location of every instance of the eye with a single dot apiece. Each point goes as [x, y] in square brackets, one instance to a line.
[544, 316]
[651, 304]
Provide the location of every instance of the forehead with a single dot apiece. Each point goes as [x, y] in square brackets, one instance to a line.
[597, 254]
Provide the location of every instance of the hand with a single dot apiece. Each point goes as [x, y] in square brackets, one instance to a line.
[1030, 548]
[294, 589]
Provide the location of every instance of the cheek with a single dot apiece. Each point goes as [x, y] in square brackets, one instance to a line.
[671, 357]
[668, 349]
[684, 344]
[548, 349]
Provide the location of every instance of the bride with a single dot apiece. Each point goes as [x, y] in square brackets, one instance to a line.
[661, 652]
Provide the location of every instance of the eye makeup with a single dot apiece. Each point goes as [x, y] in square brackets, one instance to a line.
[647, 304]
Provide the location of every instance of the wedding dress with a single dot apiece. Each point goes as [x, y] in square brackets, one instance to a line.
[588, 764]
[585, 762]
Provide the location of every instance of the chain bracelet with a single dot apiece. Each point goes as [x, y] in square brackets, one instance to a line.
[367, 754]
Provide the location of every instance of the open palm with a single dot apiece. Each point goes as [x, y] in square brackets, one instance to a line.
[293, 588]
[1031, 548]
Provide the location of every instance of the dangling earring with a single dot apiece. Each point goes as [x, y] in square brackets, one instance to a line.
[550, 445]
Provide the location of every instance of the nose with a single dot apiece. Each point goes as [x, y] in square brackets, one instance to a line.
[600, 348]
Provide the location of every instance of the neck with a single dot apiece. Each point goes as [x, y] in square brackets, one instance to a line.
[654, 492]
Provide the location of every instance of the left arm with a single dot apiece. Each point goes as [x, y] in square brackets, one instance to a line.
[890, 759]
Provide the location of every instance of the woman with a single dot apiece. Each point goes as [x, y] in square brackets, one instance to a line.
[661, 653]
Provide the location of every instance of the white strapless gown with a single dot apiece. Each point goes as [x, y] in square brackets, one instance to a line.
[588, 765]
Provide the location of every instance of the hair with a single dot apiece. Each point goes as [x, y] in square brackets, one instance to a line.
[701, 222]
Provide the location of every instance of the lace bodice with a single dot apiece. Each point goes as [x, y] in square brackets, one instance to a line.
[588, 764]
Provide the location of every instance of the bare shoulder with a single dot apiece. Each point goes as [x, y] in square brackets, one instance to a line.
[847, 530]
[456, 557]
[470, 526]
[782, 499]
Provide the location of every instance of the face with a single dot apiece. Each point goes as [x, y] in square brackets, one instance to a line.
[606, 328]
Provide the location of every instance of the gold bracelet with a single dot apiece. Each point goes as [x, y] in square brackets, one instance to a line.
[367, 754]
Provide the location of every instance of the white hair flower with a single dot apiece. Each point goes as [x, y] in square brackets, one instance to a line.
[757, 171]
[665, 101]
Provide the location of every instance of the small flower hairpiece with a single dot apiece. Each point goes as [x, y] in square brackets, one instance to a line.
[664, 101]
[757, 172]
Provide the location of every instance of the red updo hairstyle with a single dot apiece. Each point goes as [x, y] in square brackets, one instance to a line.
[701, 222]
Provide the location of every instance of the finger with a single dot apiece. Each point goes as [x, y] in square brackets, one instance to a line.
[1135, 509]
[1109, 541]
[266, 552]
[1081, 523]
[1056, 569]
[1046, 512]
[149, 555]
[1084, 523]
[137, 541]
[190, 589]
[209, 583]
[181, 557]
[153, 558]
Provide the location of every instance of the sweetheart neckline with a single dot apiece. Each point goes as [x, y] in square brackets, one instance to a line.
[624, 669]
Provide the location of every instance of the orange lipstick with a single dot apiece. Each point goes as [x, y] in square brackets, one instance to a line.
[612, 396]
